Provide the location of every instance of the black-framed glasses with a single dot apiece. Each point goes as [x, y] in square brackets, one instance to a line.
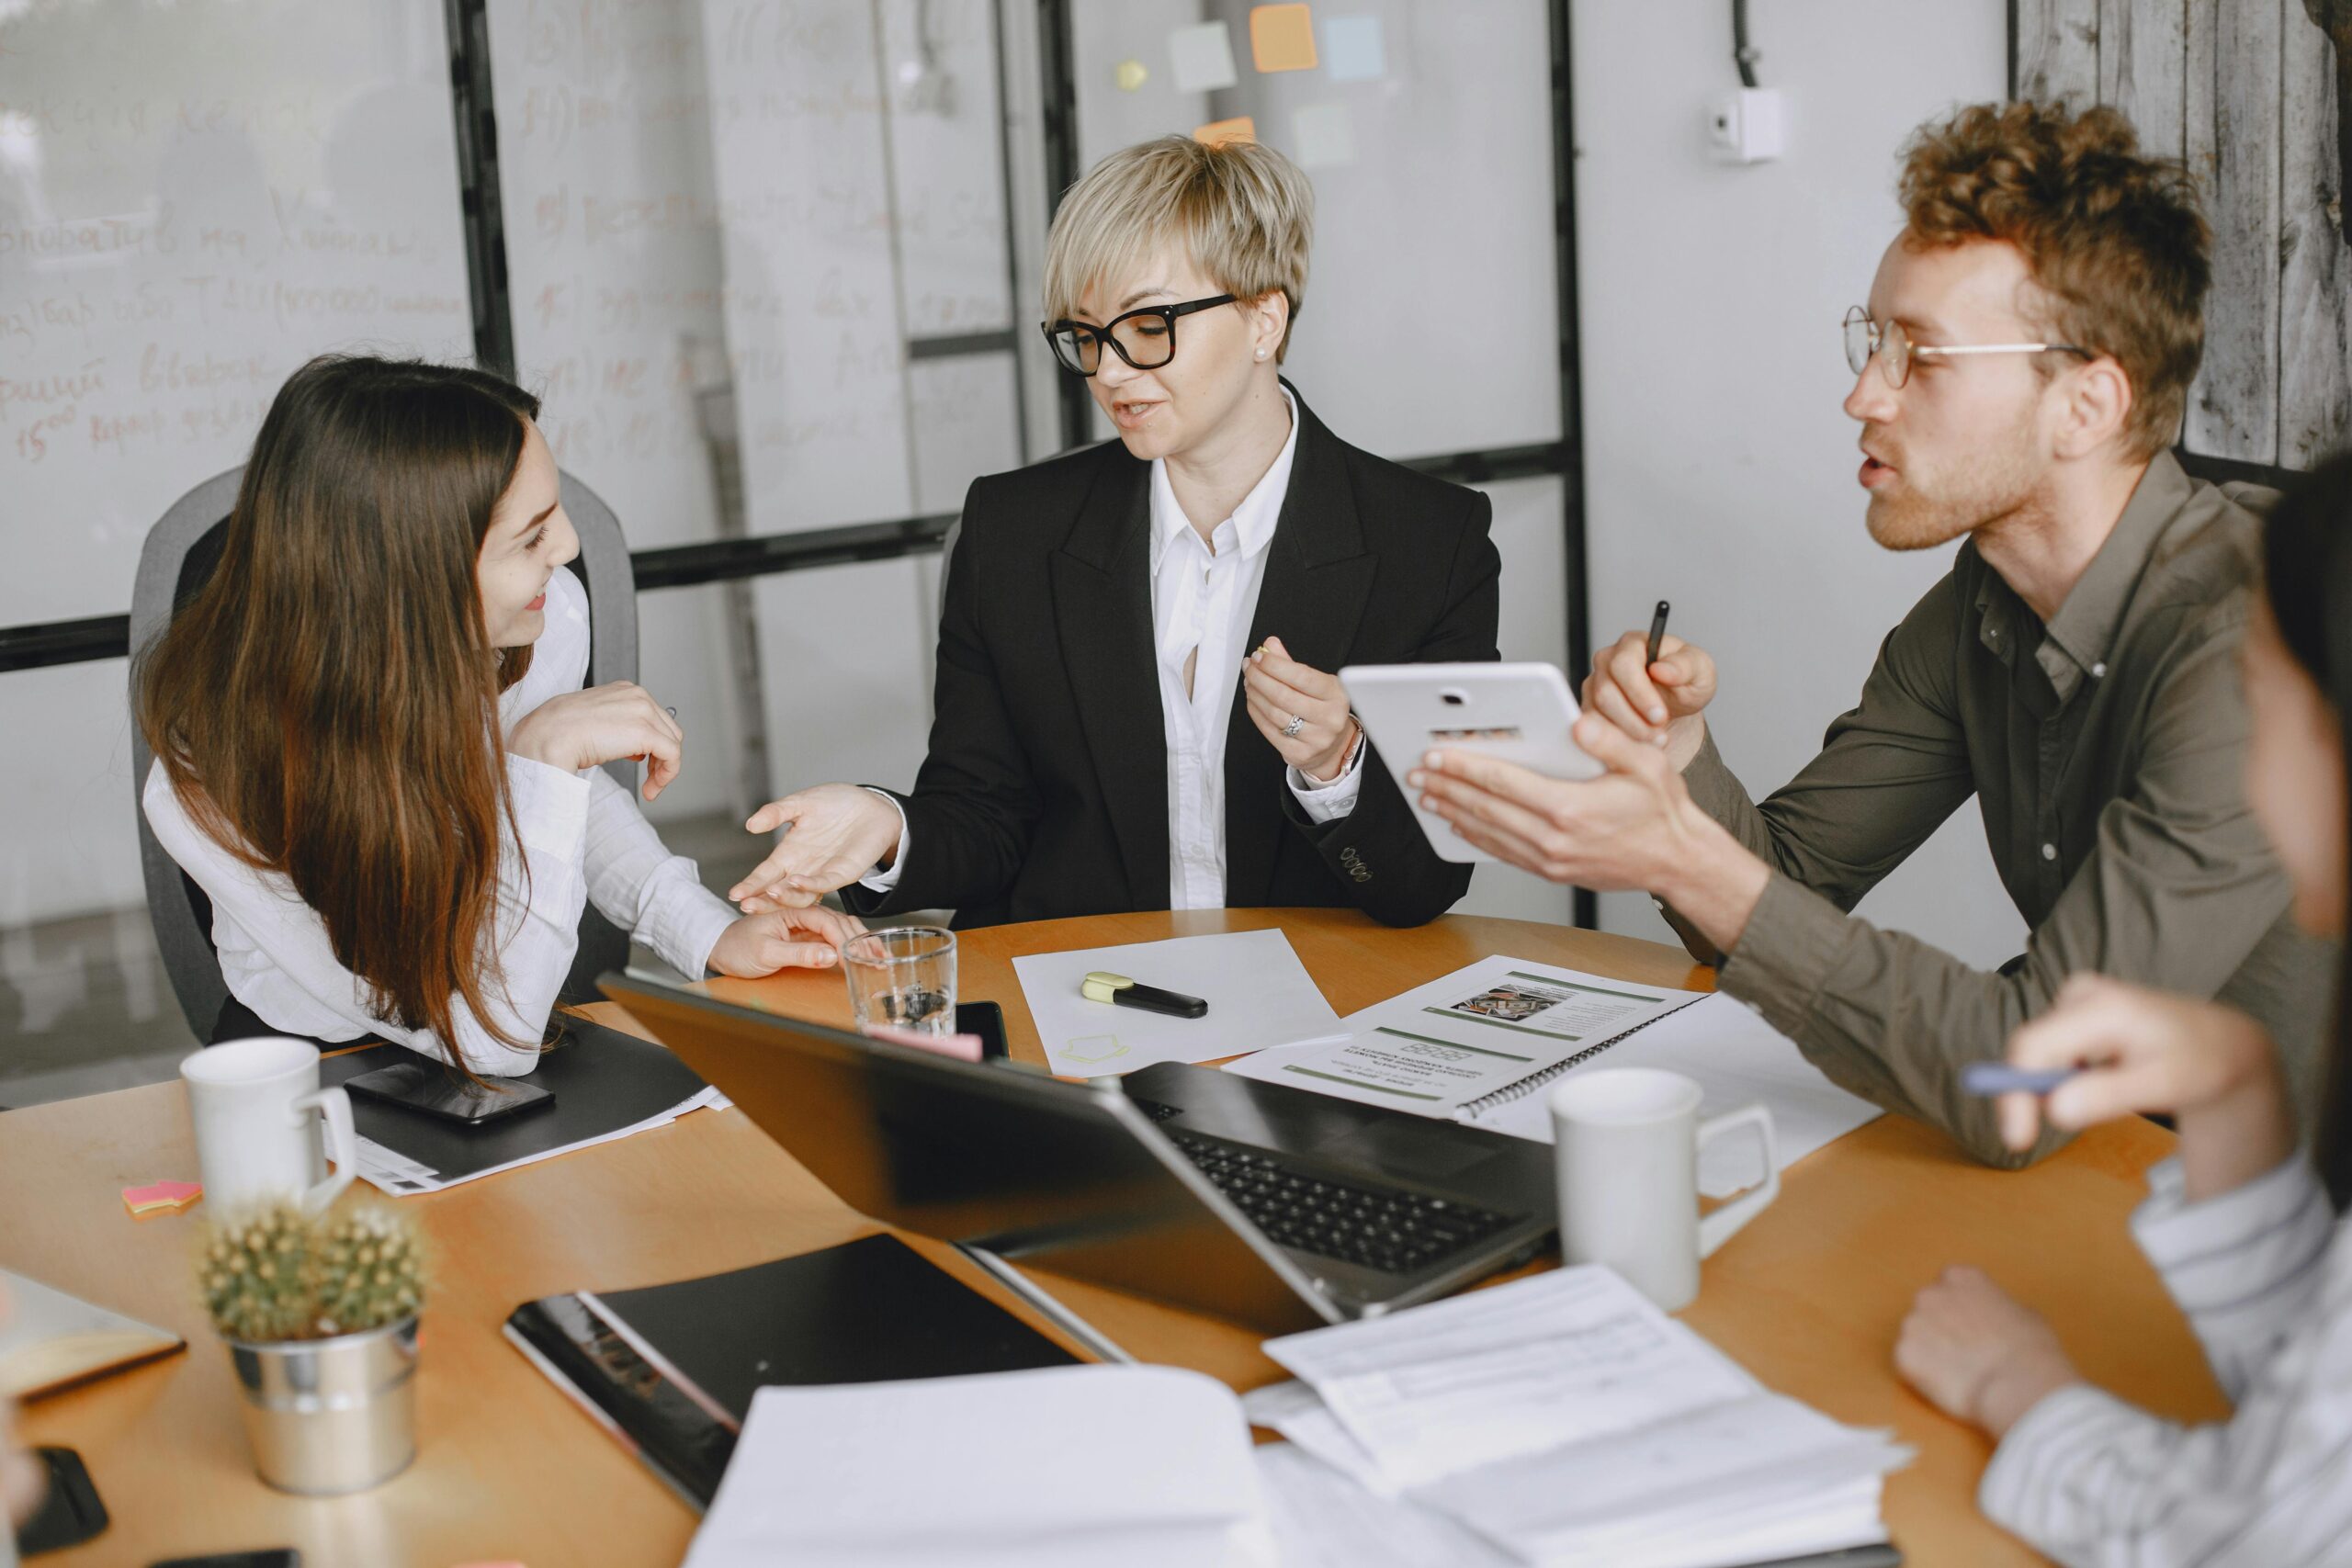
[1892, 348]
[1144, 339]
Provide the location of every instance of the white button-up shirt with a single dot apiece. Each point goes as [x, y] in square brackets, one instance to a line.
[1203, 600]
[581, 840]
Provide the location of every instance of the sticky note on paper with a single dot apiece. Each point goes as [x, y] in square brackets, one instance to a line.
[158, 1196]
[1200, 60]
[1353, 49]
[1281, 38]
[1224, 131]
[1323, 136]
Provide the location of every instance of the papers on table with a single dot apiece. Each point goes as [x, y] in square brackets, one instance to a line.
[1564, 1419]
[1474, 1039]
[1736, 1059]
[1484, 1042]
[1146, 1467]
[396, 1174]
[1259, 995]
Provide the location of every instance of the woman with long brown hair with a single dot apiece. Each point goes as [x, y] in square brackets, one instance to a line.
[371, 747]
[2246, 1227]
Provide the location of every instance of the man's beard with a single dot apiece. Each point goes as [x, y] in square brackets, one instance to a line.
[1983, 488]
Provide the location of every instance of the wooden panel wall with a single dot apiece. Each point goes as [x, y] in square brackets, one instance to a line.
[2247, 90]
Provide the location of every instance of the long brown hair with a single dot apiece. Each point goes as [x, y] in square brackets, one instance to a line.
[326, 705]
[2307, 578]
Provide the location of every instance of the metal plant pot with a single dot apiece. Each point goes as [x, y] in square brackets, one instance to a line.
[331, 1415]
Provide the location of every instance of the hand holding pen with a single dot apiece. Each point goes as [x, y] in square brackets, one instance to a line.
[1653, 686]
[2106, 1049]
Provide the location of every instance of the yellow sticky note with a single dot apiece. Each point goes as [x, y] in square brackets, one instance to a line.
[1225, 131]
[1131, 76]
[1281, 38]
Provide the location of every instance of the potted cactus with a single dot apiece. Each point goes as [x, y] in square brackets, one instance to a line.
[320, 1315]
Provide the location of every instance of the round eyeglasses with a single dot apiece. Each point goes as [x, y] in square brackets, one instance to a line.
[1144, 339]
[1892, 348]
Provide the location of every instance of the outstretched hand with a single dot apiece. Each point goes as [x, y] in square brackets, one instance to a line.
[837, 833]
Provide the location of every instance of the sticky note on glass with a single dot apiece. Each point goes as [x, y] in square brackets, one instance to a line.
[1353, 49]
[158, 1197]
[1281, 38]
[1218, 133]
[1323, 136]
[1200, 60]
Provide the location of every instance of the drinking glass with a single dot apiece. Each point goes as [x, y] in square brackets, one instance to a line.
[904, 977]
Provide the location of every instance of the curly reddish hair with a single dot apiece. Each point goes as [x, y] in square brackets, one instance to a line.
[2117, 243]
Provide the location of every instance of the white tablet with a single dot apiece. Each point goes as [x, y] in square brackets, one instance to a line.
[1519, 713]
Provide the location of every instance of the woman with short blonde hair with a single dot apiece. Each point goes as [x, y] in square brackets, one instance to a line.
[1134, 706]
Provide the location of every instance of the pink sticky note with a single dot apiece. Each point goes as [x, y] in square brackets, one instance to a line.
[962, 1047]
[157, 1196]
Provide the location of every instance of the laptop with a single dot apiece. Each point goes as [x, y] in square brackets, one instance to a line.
[1274, 1208]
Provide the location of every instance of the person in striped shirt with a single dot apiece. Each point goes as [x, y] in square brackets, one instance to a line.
[2243, 1225]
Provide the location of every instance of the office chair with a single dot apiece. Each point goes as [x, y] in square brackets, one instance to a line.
[181, 552]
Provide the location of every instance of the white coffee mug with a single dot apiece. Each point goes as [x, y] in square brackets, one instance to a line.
[256, 1136]
[1628, 1142]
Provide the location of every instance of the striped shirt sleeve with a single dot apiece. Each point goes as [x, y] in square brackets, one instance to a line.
[2090, 1479]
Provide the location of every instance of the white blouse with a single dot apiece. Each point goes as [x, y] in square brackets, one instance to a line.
[2265, 1275]
[582, 837]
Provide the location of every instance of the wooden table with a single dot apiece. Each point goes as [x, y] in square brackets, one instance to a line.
[1808, 1297]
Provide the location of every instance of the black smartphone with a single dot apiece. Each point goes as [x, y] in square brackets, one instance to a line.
[438, 1091]
[273, 1557]
[986, 1020]
[70, 1512]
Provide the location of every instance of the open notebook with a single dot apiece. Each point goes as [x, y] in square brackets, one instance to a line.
[48, 1339]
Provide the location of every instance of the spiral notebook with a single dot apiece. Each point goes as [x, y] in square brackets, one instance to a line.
[1473, 1042]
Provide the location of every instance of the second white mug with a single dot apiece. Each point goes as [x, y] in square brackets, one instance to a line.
[256, 1106]
[1627, 1142]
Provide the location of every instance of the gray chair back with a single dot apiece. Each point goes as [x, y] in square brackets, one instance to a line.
[178, 558]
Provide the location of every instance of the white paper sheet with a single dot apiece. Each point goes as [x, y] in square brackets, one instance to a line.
[1519, 1369]
[1259, 994]
[1323, 1519]
[1737, 1058]
[1298, 1413]
[1148, 1467]
[1722, 1471]
[1487, 1026]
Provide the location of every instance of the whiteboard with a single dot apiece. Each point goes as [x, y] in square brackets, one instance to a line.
[195, 198]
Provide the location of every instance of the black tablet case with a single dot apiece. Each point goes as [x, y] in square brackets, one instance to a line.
[868, 1311]
[602, 1080]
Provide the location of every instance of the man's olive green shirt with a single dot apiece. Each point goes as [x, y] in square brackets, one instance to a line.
[2106, 751]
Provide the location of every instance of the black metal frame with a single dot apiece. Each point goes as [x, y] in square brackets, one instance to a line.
[107, 636]
[477, 189]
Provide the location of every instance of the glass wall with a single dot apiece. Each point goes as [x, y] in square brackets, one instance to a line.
[772, 269]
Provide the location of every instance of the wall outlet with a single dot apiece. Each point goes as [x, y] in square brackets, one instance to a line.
[1747, 126]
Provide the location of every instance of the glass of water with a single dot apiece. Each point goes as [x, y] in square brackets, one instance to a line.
[904, 977]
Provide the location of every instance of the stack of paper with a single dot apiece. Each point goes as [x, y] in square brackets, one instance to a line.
[1146, 1467]
[1564, 1420]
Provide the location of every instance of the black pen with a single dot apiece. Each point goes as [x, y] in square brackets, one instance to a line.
[1658, 631]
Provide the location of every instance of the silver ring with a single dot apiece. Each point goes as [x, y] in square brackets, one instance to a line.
[1297, 722]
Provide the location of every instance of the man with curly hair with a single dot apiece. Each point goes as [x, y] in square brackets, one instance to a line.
[2021, 373]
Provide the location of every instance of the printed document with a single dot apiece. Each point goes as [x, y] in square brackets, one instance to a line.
[1446, 1048]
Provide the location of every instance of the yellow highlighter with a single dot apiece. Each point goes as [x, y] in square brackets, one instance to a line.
[1119, 991]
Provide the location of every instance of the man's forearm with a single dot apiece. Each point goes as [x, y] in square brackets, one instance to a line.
[1714, 881]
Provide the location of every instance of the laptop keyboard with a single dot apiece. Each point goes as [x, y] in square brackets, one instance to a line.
[1387, 1229]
